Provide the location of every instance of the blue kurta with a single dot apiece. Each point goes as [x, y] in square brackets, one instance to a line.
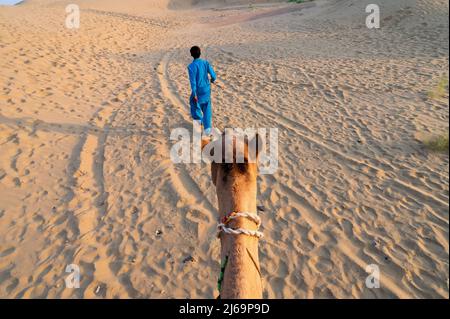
[199, 70]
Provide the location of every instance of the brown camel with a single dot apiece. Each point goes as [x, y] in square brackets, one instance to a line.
[236, 189]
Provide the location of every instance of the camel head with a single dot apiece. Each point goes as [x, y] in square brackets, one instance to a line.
[234, 174]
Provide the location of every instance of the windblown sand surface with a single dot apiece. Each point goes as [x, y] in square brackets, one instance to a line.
[85, 172]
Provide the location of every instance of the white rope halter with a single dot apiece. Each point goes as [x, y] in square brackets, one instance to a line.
[253, 217]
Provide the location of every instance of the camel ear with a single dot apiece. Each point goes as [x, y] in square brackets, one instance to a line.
[255, 146]
[214, 166]
[209, 150]
[205, 142]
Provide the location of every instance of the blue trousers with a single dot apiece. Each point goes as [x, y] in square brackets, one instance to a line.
[202, 111]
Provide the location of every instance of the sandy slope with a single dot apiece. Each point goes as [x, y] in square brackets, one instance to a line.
[85, 176]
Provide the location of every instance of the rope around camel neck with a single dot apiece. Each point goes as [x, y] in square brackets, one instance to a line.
[255, 218]
[239, 231]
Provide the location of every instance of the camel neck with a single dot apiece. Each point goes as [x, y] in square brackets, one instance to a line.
[242, 275]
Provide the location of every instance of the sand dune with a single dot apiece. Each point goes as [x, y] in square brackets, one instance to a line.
[85, 172]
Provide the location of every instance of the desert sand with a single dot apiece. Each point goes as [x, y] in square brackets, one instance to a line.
[85, 172]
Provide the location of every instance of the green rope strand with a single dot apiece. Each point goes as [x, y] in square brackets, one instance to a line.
[222, 272]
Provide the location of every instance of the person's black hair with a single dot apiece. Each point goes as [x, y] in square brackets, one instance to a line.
[196, 52]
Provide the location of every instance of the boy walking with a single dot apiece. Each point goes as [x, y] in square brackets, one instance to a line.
[200, 100]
